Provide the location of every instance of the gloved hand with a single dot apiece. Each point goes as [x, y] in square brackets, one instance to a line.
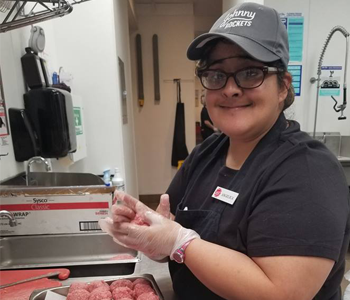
[158, 240]
[164, 207]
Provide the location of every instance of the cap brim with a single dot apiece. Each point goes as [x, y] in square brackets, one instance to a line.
[254, 49]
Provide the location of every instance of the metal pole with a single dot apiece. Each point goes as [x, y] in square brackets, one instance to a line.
[317, 93]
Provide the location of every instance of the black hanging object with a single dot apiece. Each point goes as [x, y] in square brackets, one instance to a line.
[180, 151]
[141, 96]
[24, 139]
[156, 68]
[34, 71]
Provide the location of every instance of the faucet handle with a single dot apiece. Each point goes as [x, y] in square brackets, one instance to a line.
[10, 216]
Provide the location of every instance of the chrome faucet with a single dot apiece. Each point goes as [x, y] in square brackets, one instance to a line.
[36, 159]
[10, 216]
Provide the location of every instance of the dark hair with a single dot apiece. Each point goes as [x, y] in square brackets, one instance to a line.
[205, 62]
[288, 101]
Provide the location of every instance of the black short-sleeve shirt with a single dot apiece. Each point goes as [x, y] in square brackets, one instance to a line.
[293, 199]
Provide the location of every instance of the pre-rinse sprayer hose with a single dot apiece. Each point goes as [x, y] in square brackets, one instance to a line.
[320, 62]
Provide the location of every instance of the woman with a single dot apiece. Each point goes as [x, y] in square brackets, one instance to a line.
[261, 210]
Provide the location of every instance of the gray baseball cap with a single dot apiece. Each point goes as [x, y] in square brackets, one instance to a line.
[256, 28]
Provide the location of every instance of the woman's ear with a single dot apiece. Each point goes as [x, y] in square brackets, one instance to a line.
[287, 80]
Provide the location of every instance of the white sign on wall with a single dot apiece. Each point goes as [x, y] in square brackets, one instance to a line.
[294, 23]
[330, 81]
[79, 129]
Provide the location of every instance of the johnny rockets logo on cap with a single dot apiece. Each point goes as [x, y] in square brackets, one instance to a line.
[238, 18]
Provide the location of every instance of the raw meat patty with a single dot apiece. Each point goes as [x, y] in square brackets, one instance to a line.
[122, 256]
[138, 220]
[123, 292]
[78, 295]
[97, 284]
[142, 288]
[148, 296]
[141, 280]
[100, 294]
[121, 283]
[78, 286]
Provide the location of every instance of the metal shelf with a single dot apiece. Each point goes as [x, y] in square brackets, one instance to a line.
[24, 13]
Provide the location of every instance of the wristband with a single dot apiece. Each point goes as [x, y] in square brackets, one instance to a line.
[179, 254]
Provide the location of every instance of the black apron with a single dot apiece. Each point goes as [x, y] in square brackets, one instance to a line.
[180, 151]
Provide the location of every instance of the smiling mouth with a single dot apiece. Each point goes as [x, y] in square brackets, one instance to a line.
[235, 107]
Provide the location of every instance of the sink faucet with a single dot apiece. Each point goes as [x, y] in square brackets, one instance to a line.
[37, 159]
[10, 216]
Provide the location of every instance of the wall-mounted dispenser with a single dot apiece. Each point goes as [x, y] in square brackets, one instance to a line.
[45, 127]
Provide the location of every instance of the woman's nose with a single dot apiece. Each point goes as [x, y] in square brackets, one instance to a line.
[231, 89]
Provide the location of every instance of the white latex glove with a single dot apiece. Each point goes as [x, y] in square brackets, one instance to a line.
[158, 240]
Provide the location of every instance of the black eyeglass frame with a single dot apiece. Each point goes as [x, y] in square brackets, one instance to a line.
[266, 70]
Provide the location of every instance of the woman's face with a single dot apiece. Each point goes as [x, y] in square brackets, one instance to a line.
[243, 114]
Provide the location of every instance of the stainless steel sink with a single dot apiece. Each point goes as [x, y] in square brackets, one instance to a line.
[345, 162]
[54, 179]
[343, 159]
[89, 254]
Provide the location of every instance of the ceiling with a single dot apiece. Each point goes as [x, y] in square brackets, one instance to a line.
[201, 7]
[163, 1]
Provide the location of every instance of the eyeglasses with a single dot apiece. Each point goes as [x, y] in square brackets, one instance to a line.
[248, 78]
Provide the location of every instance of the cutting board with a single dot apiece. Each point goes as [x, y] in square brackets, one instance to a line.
[23, 291]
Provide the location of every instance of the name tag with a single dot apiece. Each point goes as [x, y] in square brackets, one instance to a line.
[225, 195]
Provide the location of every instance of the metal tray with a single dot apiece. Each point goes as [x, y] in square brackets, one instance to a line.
[63, 291]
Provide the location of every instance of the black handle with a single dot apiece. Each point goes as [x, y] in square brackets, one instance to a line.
[344, 96]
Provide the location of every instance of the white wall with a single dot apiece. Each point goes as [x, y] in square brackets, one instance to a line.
[154, 123]
[87, 44]
[300, 106]
[227, 4]
[11, 46]
[123, 50]
[320, 16]
[321, 22]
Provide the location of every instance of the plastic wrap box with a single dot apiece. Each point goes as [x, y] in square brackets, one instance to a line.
[54, 210]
